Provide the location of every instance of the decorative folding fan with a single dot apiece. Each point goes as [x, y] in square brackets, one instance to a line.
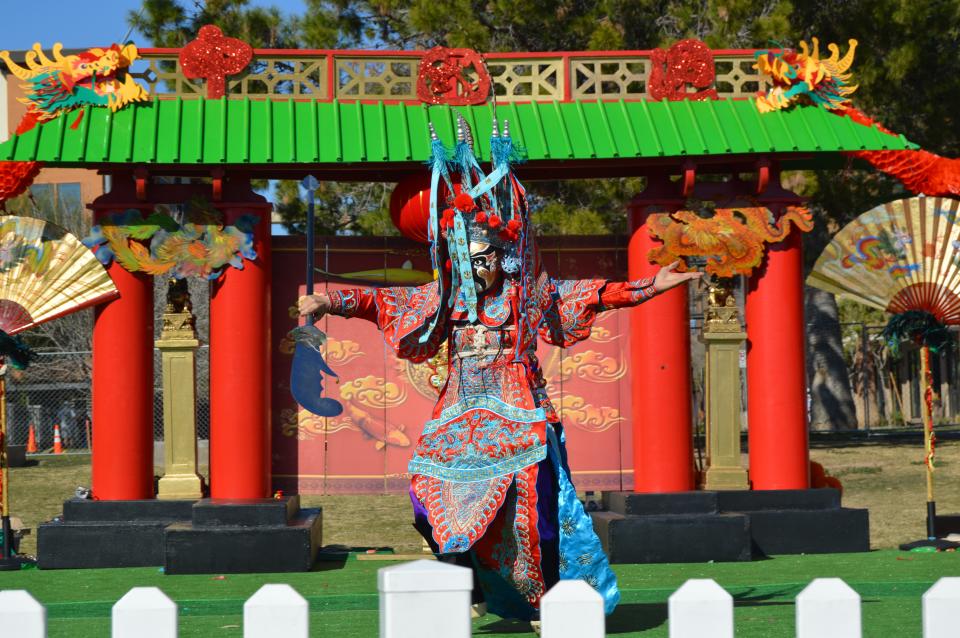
[903, 257]
[45, 273]
[900, 256]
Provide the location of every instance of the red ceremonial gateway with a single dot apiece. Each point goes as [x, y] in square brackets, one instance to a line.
[220, 114]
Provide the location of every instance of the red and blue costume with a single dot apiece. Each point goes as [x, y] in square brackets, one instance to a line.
[490, 479]
[490, 483]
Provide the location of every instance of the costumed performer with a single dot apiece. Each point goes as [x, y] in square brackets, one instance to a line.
[490, 484]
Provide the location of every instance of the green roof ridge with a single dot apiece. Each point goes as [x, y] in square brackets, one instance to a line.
[248, 131]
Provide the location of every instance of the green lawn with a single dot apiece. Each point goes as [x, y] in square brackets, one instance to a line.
[885, 477]
[343, 596]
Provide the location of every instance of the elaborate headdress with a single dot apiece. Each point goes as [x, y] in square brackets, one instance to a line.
[469, 205]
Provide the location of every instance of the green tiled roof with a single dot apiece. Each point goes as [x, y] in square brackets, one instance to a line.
[245, 131]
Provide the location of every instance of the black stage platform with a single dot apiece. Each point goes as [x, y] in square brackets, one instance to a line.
[185, 537]
[736, 525]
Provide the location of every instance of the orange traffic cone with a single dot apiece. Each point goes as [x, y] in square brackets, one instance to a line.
[31, 440]
[57, 443]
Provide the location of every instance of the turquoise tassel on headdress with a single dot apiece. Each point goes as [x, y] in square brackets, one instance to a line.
[438, 170]
[460, 257]
[463, 156]
[500, 147]
[503, 151]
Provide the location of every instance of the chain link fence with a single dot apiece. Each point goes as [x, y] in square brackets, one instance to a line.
[55, 390]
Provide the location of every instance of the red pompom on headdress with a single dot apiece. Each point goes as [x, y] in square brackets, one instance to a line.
[464, 202]
[494, 222]
[447, 220]
[480, 218]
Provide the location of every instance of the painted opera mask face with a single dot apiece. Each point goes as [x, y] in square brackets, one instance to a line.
[485, 262]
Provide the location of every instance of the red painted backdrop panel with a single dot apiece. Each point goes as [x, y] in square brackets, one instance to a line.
[386, 400]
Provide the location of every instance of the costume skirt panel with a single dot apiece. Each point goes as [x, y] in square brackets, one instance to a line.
[539, 534]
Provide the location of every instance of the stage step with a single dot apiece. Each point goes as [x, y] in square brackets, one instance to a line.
[679, 538]
[185, 537]
[291, 547]
[699, 526]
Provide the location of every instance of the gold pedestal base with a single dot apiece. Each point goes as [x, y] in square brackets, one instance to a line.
[723, 336]
[180, 487]
[726, 478]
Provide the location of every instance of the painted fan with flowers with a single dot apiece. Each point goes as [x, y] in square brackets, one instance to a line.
[903, 257]
[45, 273]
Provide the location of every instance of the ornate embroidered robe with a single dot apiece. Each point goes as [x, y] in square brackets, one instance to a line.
[490, 478]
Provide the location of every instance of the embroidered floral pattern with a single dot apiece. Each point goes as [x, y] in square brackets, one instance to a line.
[512, 545]
[460, 513]
[570, 318]
[403, 315]
[481, 439]
[346, 303]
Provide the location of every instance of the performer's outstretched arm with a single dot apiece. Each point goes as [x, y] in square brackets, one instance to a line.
[412, 319]
[623, 294]
[579, 301]
[353, 302]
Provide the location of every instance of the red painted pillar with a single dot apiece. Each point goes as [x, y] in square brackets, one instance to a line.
[240, 365]
[122, 460]
[660, 366]
[776, 374]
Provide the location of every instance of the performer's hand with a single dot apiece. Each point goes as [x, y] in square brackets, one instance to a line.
[668, 278]
[316, 305]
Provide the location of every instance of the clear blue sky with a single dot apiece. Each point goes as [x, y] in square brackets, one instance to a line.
[82, 23]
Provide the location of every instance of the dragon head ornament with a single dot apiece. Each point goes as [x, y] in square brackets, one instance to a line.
[96, 77]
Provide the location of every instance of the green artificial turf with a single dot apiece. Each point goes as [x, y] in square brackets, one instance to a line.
[343, 596]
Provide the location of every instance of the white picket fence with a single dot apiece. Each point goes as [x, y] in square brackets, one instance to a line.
[430, 599]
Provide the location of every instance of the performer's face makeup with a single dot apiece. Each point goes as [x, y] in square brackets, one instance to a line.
[485, 262]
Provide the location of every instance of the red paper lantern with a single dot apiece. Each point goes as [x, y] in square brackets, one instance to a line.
[410, 207]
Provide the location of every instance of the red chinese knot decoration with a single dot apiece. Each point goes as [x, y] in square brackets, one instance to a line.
[15, 178]
[213, 57]
[686, 63]
[443, 77]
